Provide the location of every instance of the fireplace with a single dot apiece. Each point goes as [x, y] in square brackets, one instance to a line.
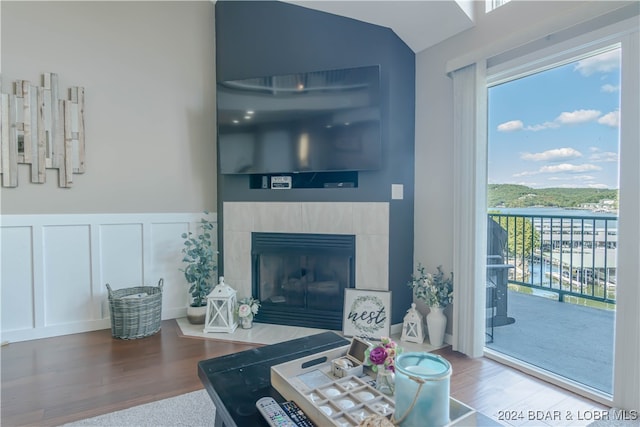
[300, 278]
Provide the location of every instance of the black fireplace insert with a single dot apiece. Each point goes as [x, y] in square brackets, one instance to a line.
[300, 278]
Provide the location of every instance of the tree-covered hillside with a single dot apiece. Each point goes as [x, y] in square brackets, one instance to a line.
[520, 196]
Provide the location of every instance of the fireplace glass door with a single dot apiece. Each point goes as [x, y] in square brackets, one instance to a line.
[300, 278]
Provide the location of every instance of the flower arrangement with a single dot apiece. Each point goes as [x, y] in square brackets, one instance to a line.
[248, 307]
[435, 290]
[383, 355]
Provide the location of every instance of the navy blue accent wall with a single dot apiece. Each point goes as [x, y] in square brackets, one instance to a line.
[269, 37]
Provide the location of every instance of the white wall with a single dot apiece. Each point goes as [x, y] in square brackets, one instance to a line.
[148, 69]
[55, 268]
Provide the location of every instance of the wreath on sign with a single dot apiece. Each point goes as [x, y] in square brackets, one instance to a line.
[366, 301]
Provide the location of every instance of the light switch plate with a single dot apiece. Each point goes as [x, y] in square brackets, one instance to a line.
[397, 191]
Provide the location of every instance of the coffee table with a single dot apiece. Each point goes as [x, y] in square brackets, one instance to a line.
[236, 381]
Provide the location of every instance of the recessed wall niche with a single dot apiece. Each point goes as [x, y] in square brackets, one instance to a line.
[39, 129]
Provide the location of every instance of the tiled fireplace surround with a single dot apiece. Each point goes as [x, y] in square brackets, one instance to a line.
[368, 221]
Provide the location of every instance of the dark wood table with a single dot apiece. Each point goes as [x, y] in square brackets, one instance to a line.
[236, 381]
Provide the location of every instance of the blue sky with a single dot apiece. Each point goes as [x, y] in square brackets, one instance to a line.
[557, 128]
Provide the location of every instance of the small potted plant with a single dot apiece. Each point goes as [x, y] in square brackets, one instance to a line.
[436, 291]
[247, 308]
[200, 257]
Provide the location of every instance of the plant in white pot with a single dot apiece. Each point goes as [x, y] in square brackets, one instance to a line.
[436, 290]
[200, 257]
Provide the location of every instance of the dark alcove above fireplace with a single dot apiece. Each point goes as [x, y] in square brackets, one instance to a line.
[300, 278]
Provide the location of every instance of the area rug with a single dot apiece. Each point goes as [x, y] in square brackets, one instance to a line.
[260, 333]
[189, 410]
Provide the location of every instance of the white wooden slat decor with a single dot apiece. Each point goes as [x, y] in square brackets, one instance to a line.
[4, 130]
[23, 121]
[42, 140]
[50, 81]
[64, 156]
[33, 140]
[69, 156]
[9, 143]
[76, 95]
[43, 131]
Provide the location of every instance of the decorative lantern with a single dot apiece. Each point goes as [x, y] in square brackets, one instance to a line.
[221, 309]
[412, 327]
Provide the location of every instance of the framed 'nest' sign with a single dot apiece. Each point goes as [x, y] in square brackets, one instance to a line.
[367, 314]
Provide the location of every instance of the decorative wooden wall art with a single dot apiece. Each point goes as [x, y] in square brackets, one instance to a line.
[40, 129]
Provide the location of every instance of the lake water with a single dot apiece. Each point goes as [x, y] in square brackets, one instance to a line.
[561, 212]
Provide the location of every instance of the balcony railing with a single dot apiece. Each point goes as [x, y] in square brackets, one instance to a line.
[571, 256]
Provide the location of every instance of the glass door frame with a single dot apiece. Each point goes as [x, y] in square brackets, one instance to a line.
[520, 63]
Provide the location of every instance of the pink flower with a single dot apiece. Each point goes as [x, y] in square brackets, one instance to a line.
[389, 364]
[244, 310]
[378, 355]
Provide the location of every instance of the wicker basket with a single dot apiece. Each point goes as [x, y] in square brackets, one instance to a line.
[134, 314]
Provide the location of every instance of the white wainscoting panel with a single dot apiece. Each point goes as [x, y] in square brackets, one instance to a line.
[67, 274]
[164, 255]
[121, 255]
[55, 268]
[16, 276]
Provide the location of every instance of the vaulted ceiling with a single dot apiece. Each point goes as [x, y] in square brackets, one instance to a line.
[420, 24]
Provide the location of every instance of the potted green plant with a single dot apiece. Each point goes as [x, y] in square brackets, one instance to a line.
[200, 258]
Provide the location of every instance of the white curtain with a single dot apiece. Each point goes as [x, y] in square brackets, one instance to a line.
[626, 373]
[469, 208]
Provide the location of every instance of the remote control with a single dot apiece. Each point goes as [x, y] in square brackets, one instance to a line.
[296, 414]
[273, 413]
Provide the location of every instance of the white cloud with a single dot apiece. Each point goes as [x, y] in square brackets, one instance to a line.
[525, 173]
[545, 125]
[511, 126]
[582, 185]
[566, 167]
[565, 118]
[603, 63]
[572, 178]
[529, 184]
[605, 156]
[610, 119]
[610, 88]
[566, 186]
[556, 154]
[598, 186]
[578, 116]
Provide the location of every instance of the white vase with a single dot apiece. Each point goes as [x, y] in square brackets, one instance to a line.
[436, 325]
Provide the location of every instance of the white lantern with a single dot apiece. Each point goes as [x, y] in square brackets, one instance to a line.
[221, 309]
[412, 330]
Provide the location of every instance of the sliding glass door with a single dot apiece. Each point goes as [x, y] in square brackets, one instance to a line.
[552, 219]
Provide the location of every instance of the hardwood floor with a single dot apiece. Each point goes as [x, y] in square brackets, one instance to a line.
[53, 381]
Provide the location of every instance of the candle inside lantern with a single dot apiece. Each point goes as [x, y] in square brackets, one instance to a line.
[431, 407]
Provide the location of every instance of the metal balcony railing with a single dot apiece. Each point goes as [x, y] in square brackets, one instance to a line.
[571, 256]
